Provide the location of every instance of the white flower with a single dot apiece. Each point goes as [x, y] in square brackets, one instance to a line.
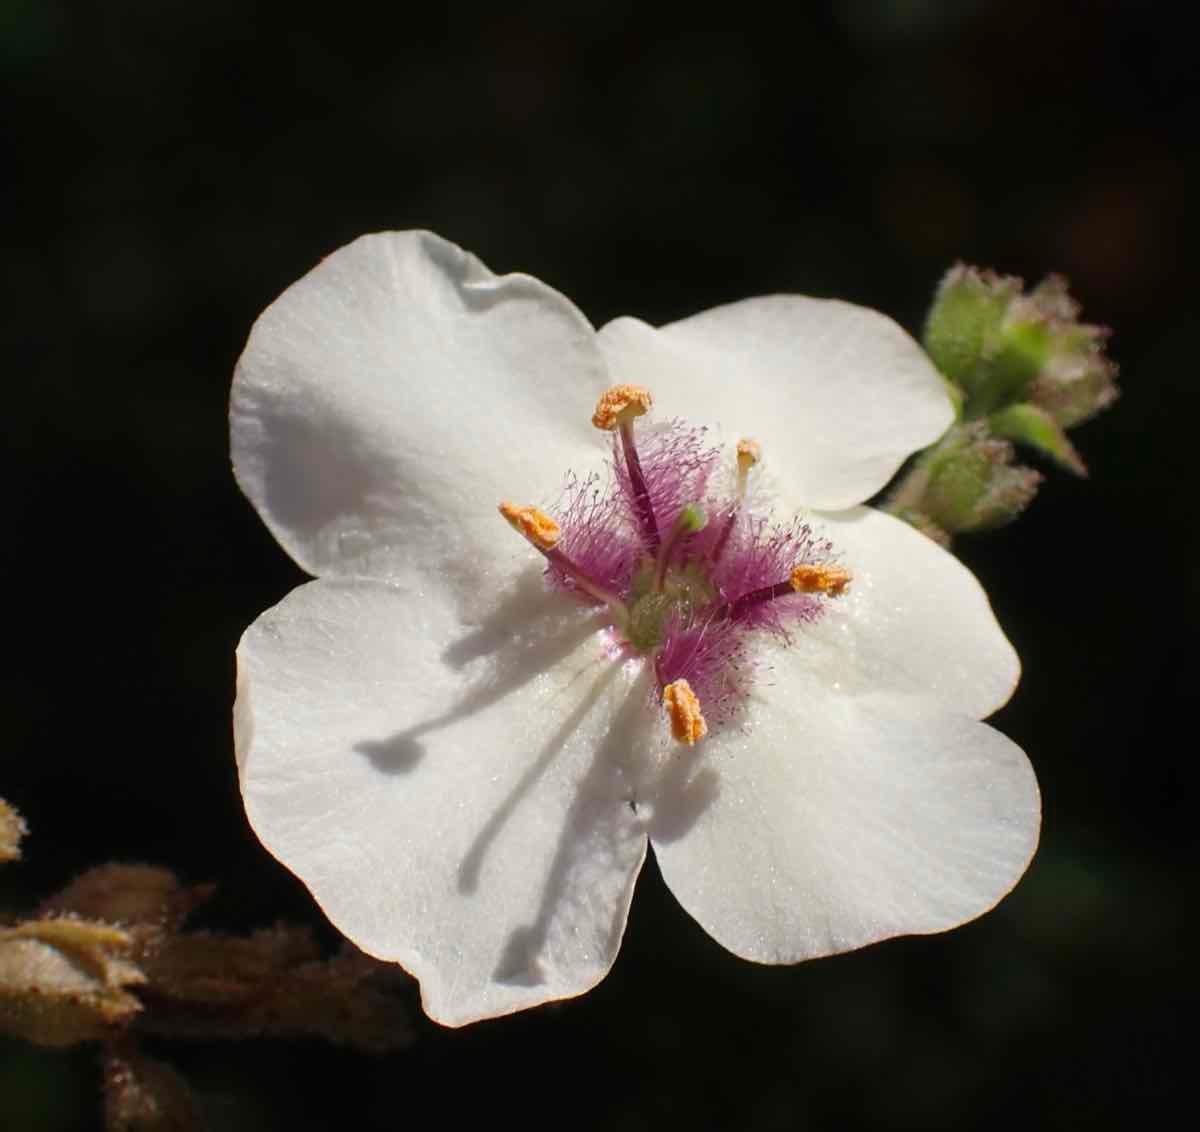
[465, 764]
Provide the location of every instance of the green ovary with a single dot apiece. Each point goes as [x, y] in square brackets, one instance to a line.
[685, 590]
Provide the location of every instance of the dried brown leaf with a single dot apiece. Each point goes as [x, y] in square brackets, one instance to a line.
[210, 970]
[271, 985]
[63, 981]
[142, 897]
[142, 1094]
[12, 829]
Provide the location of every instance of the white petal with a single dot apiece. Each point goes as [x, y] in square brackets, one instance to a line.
[836, 821]
[914, 620]
[837, 395]
[455, 797]
[388, 400]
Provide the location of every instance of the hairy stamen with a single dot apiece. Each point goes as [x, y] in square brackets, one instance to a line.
[749, 453]
[543, 533]
[641, 493]
[616, 411]
[831, 581]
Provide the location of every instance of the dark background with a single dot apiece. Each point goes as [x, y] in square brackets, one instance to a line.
[170, 167]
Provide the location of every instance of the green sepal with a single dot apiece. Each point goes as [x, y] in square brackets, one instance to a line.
[964, 319]
[1033, 426]
[1018, 354]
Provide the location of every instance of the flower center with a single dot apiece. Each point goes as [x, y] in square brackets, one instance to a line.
[681, 593]
[689, 572]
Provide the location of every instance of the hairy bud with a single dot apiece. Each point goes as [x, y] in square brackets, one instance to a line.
[1003, 346]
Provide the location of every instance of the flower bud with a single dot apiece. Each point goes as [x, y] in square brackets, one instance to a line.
[966, 482]
[1003, 346]
[1078, 380]
[964, 321]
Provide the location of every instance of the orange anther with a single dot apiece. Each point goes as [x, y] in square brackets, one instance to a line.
[749, 453]
[814, 579]
[535, 525]
[619, 404]
[683, 709]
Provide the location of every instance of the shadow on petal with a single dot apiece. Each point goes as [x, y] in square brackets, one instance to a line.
[597, 826]
[680, 794]
[519, 964]
[397, 755]
[468, 872]
[531, 630]
[529, 608]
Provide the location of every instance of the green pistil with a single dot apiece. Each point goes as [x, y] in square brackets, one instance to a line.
[691, 519]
